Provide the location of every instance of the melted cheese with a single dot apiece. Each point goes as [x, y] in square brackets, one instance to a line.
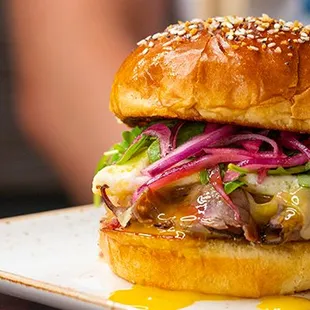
[272, 185]
[286, 191]
[299, 200]
[122, 180]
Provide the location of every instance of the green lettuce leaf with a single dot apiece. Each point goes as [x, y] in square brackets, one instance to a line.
[153, 151]
[117, 151]
[204, 177]
[288, 171]
[229, 187]
[304, 180]
[236, 168]
[189, 130]
[135, 149]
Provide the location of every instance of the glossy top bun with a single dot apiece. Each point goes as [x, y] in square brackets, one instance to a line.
[246, 71]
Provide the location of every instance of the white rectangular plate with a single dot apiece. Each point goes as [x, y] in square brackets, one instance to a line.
[52, 258]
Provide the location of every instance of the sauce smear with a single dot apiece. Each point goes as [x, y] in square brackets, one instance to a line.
[149, 298]
[284, 303]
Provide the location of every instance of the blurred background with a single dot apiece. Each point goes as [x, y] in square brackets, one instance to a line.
[57, 62]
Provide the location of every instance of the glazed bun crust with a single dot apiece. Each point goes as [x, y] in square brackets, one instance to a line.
[212, 267]
[260, 78]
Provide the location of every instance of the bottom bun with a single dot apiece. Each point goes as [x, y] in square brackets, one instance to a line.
[213, 267]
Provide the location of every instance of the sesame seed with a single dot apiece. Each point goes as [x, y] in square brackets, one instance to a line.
[167, 43]
[145, 51]
[173, 31]
[196, 36]
[156, 36]
[231, 19]
[220, 19]
[242, 31]
[253, 48]
[290, 54]
[266, 17]
[272, 44]
[236, 29]
[142, 42]
[181, 33]
[278, 50]
[229, 25]
[261, 40]
[286, 63]
[196, 21]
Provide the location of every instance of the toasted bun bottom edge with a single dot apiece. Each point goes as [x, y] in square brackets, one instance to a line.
[212, 267]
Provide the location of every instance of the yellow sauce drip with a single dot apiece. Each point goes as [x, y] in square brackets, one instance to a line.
[149, 298]
[284, 303]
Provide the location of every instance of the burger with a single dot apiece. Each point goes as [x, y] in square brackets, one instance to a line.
[209, 190]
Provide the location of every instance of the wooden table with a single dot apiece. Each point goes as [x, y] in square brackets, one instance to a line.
[12, 303]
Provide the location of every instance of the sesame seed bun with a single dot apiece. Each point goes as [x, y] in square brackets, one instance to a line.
[213, 267]
[245, 71]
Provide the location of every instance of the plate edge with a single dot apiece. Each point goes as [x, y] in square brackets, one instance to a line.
[59, 290]
[8, 220]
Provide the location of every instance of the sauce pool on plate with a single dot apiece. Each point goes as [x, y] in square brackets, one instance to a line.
[150, 298]
[284, 303]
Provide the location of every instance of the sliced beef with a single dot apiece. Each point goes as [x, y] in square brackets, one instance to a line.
[284, 226]
[209, 215]
[215, 213]
[147, 210]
